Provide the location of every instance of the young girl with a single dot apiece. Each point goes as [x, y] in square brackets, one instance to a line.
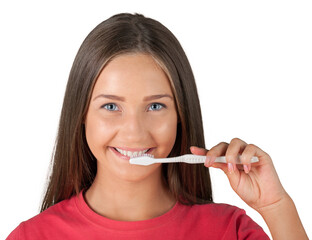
[131, 91]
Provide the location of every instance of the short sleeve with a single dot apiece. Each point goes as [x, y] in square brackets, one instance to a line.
[244, 228]
[15, 234]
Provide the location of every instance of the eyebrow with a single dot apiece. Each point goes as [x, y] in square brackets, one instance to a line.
[122, 99]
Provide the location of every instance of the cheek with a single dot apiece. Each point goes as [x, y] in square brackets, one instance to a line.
[164, 133]
[99, 133]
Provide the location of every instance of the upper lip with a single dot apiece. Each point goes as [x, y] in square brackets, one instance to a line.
[132, 149]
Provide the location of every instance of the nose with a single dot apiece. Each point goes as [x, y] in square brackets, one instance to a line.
[134, 129]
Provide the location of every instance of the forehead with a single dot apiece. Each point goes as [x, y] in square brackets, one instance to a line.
[133, 73]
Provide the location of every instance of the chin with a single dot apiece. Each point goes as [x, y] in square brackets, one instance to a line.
[135, 173]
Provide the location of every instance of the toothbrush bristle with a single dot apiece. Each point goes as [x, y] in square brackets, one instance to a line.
[143, 159]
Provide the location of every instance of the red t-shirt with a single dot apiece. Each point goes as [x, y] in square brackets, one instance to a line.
[73, 219]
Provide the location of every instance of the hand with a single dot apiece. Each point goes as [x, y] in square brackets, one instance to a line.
[257, 184]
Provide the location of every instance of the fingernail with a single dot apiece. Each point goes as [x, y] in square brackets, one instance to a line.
[246, 169]
[230, 167]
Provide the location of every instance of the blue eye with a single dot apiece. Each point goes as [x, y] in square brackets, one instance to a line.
[110, 107]
[156, 107]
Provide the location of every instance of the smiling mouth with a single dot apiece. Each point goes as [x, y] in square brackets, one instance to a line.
[132, 154]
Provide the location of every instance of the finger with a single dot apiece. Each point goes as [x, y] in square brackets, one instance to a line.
[252, 150]
[247, 154]
[214, 152]
[235, 148]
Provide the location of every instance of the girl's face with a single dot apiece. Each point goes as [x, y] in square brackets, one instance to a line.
[132, 111]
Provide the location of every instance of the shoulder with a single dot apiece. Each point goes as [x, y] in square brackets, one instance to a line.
[223, 221]
[51, 219]
[216, 210]
[59, 211]
[221, 214]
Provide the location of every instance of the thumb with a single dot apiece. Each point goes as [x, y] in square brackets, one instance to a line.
[198, 151]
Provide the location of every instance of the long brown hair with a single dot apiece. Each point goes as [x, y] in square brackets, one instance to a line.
[73, 166]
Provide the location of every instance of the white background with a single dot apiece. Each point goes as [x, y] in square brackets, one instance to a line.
[253, 65]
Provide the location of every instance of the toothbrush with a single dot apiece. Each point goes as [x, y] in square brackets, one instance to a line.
[148, 159]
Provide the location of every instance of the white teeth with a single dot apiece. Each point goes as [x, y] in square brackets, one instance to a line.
[131, 154]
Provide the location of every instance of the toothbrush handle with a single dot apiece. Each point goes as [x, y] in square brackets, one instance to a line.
[190, 158]
[187, 158]
[238, 160]
[169, 160]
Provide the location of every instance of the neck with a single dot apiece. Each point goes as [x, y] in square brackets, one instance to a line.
[129, 201]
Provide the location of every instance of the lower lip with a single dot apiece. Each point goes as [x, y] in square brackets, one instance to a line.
[126, 157]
